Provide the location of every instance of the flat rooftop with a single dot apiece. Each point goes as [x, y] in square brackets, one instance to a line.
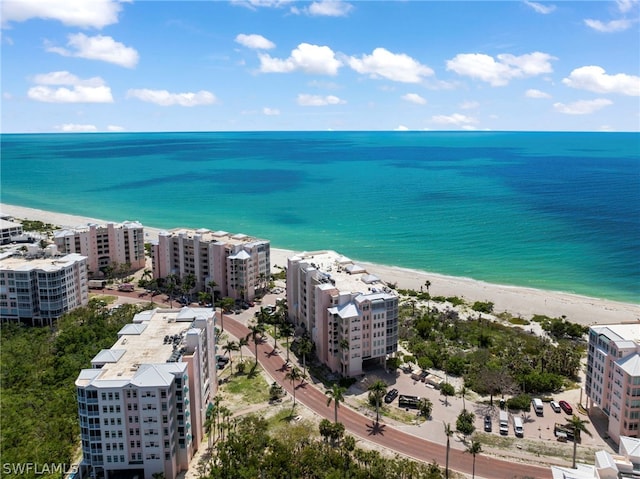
[22, 264]
[620, 332]
[343, 273]
[154, 337]
[206, 235]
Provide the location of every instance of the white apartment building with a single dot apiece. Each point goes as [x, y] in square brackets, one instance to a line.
[351, 315]
[613, 376]
[40, 289]
[9, 229]
[142, 405]
[237, 263]
[121, 243]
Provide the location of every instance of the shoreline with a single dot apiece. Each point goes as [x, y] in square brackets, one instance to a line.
[519, 301]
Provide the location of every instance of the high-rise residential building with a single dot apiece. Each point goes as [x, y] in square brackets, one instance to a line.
[143, 404]
[41, 288]
[350, 314]
[237, 263]
[613, 376]
[104, 245]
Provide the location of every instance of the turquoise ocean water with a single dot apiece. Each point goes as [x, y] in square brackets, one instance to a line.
[558, 211]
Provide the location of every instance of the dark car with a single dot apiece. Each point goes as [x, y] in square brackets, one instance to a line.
[390, 396]
[222, 359]
[487, 423]
[566, 407]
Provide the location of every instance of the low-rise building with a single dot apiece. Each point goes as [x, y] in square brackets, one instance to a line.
[39, 288]
[238, 264]
[105, 245]
[612, 381]
[8, 230]
[624, 465]
[350, 314]
[143, 404]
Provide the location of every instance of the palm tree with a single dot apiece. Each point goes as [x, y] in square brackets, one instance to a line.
[578, 426]
[255, 330]
[463, 394]
[293, 375]
[228, 348]
[335, 394]
[286, 331]
[425, 406]
[305, 346]
[376, 391]
[241, 343]
[212, 284]
[448, 431]
[427, 284]
[474, 449]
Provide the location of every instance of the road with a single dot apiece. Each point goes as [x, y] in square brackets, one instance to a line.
[386, 436]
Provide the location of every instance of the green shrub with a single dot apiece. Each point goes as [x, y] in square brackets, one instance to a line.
[521, 402]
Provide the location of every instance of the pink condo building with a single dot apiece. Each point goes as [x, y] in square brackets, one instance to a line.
[237, 263]
[351, 315]
[613, 377]
[103, 245]
[143, 403]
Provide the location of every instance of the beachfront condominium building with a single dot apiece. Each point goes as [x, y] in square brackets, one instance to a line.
[613, 376]
[350, 314]
[9, 230]
[143, 404]
[39, 288]
[237, 263]
[105, 245]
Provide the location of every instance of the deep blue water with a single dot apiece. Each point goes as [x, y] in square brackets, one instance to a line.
[557, 211]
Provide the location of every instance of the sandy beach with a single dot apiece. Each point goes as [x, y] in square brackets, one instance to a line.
[524, 302]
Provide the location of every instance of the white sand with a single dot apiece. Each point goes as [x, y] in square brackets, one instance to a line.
[516, 300]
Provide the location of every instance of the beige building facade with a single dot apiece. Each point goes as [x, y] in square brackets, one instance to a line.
[237, 263]
[350, 314]
[613, 376]
[104, 245]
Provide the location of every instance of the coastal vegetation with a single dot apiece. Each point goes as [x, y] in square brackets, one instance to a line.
[492, 354]
[39, 367]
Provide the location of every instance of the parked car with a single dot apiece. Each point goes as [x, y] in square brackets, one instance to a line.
[555, 406]
[566, 407]
[487, 423]
[222, 359]
[390, 396]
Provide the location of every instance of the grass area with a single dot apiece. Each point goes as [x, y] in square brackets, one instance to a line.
[107, 298]
[247, 388]
[397, 414]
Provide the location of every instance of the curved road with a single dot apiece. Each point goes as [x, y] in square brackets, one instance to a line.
[386, 436]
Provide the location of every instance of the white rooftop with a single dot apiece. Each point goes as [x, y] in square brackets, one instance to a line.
[620, 332]
[14, 263]
[206, 235]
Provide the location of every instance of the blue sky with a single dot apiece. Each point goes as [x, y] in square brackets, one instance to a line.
[246, 65]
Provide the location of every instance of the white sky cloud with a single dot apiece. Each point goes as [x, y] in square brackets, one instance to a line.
[414, 98]
[165, 98]
[115, 128]
[307, 58]
[469, 105]
[76, 128]
[392, 66]
[318, 100]
[610, 26]
[626, 5]
[533, 93]
[582, 107]
[594, 78]
[255, 4]
[76, 13]
[401, 128]
[540, 8]
[99, 47]
[270, 111]
[63, 77]
[257, 42]
[455, 119]
[500, 72]
[77, 94]
[329, 8]
[76, 90]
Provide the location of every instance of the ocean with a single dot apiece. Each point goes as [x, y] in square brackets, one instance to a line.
[555, 211]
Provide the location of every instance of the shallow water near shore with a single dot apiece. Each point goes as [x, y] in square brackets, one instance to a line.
[556, 211]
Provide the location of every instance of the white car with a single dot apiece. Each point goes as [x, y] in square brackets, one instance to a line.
[555, 406]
